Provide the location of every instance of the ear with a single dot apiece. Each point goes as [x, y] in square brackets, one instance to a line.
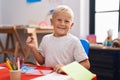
[51, 21]
[72, 25]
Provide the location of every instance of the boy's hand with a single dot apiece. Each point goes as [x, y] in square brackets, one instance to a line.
[57, 68]
[30, 42]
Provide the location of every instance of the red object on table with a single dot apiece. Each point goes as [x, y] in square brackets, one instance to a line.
[95, 78]
[4, 73]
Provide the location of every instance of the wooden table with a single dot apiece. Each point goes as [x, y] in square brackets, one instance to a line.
[13, 31]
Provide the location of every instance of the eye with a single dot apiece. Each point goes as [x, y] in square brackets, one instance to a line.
[59, 20]
[67, 21]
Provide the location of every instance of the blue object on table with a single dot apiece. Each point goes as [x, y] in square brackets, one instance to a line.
[26, 68]
[86, 45]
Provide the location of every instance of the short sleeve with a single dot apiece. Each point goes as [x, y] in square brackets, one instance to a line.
[41, 47]
[79, 52]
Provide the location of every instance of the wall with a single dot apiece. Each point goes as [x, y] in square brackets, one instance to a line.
[20, 12]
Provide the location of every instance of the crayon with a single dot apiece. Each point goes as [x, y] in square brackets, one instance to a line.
[8, 64]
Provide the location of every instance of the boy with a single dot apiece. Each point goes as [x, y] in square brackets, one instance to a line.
[61, 47]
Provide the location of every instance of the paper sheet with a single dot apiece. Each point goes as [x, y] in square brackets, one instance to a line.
[37, 72]
[77, 71]
[2, 67]
[33, 72]
[53, 76]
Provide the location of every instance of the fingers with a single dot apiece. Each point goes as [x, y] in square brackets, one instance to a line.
[57, 68]
[29, 39]
[30, 42]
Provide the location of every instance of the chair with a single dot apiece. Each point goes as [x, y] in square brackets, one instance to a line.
[86, 45]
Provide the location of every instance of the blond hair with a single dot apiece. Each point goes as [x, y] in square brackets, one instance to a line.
[63, 8]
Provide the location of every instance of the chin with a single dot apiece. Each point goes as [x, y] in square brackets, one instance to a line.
[63, 34]
[59, 35]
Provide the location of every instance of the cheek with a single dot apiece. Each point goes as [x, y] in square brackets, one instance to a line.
[71, 25]
[54, 23]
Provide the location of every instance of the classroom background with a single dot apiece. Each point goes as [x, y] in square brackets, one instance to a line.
[21, 12]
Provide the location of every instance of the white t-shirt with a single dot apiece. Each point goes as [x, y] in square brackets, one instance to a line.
[61, 50]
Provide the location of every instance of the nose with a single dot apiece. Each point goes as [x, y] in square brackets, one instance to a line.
[62, 23]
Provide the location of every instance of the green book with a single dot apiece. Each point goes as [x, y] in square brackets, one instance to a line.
[78, 72]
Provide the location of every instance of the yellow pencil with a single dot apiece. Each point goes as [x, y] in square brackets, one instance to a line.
[8, 64]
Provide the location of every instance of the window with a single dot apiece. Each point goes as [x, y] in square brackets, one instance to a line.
[104, 15]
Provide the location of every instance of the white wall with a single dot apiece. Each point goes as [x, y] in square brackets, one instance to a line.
[20, 12]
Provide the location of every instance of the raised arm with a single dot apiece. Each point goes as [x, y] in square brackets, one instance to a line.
[30, 42]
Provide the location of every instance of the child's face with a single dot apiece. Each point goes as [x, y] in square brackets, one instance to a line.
[61, 22]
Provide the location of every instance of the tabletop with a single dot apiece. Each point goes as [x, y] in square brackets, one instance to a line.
[102, 47]
[28, 29]
[4, 73]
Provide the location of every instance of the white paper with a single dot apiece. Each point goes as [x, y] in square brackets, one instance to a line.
[46, 72]
[2, 67]
[53, 76]
[33, 72]
[37, 72]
